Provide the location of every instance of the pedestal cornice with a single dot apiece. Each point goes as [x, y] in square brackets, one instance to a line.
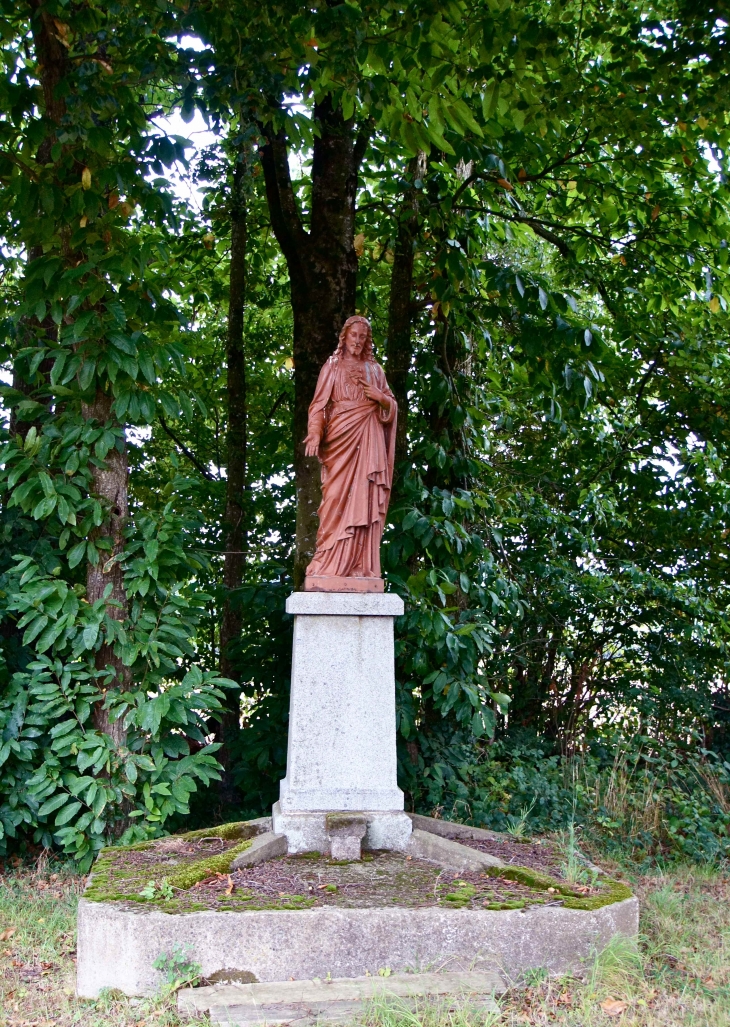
[344, 604]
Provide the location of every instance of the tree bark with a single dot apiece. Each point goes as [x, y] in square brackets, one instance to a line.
[399, 350]
[235, 533]
[53, 66]
[110, 486]
[323, 275]
[438, 412]
[109, 481]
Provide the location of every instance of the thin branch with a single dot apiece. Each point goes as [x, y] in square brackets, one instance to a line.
[484, 175]
[283, 208]
[541, 228]
[21, 164]
[361, 141]
[191, 456]
[277, 404]
[544, 233]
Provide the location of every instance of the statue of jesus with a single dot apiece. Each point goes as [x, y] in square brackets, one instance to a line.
[351, 430]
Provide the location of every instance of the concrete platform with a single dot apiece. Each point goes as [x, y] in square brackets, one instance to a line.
[338, 999]
[119, 941]
[117, 946]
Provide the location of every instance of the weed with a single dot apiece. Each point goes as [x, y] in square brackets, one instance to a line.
[178, 968]
[575, 868]
[163, 890]
[517, 825]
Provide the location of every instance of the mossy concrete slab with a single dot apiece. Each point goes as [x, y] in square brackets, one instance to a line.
[300, 917]
[118, 946]
[338, 999]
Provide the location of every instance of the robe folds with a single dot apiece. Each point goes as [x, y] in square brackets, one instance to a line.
[356, 452]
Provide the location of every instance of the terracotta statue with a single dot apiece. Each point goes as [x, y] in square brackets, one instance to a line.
[351, 430]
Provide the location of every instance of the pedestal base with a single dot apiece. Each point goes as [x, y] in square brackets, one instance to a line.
[319, 583]
[307, 831]
[342, 743]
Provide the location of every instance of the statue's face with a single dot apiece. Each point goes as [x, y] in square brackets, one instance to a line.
[356, 339]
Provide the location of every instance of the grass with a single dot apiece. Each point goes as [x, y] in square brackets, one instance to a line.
[679, 975]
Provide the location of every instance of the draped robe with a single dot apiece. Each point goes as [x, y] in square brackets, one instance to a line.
[356, 452]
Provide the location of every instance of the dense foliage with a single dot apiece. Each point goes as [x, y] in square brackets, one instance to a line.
[529, 201]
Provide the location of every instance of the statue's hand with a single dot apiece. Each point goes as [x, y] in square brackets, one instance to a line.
[376, 395]
[311, 445]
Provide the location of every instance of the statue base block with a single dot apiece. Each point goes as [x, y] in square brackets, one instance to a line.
[310, 832]
[320, 583]
[342, 750]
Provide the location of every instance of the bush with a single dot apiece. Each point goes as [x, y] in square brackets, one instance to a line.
[652, 798]
[64, 782]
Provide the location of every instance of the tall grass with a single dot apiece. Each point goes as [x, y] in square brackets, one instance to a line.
[635, 794]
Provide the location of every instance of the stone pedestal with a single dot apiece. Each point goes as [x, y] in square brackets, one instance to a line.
[342, 753]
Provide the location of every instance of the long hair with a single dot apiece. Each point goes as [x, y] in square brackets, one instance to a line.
[368, 347]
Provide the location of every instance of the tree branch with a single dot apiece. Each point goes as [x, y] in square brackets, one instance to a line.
[283, 209]
[191, 456]
[13, 158]
[477, 175]
[277, 404]
[361, 141]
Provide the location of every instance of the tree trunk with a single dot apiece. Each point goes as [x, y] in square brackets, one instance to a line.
[439, 413]
[235, 514]
[109, 481]
[110, 486]
[52, 60]
[399, 348]
[323, 274]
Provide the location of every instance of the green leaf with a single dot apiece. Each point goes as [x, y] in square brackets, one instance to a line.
[123, 343]
[54, 803]
[76, 554]
[437, 138]
[90, 635]
[491, 99]
[44, 508]
[68, 813]
[86, 374]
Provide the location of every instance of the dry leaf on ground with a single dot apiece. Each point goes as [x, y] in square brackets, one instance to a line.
[614, 1007]
[7, 934]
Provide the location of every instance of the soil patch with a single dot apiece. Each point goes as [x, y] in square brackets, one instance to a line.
[192, 872]
[382, 879]
[541, 855]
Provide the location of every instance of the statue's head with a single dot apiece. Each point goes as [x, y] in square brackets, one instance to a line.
[361, 335]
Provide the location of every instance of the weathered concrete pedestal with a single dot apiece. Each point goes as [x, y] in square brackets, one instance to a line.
[342, 740]
[304, 957]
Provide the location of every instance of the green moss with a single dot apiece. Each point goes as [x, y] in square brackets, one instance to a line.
[294, 902]
[241, 829]
[617, 892]
[116, 879]
[243, 903]
[203, 868]
[337, 821]
[531, 879]
[111, 883]
[137, 847]
[462, 896]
